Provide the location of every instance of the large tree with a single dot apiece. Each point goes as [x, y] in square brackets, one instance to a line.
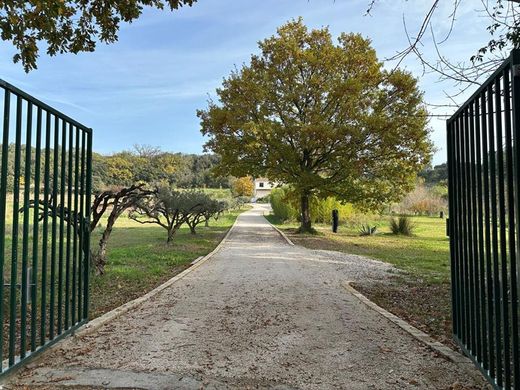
[325, 118]
[68, 26]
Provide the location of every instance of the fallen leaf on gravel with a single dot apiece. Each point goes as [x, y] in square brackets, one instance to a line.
[61, 379]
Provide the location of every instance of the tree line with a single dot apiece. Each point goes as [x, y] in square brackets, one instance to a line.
[152, 165]
[142, 164]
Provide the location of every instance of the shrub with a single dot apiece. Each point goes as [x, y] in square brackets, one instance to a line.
[281, 204]
[264, 199]
[423, 201]
[238, 202]
[402, 225]
[321, 210]
[367, 230]
[286, 207]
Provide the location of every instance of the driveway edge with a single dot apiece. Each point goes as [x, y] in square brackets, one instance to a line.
[284, 236]
[413, 331]
[120, 310]
[98, 322]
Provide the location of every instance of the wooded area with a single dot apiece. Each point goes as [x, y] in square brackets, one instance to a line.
[143, 164]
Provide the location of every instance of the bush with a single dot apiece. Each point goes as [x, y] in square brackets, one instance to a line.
[367, 230]
[281, 204]
[264, 199]
[321, 210]
[286, 205]
[240, 201]
[423, 201]
[402, 225]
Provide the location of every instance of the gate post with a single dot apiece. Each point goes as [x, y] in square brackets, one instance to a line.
[515, 92]
[87, 227]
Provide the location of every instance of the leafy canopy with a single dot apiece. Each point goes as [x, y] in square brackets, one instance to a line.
[243, 186]
[70, 25]
[168, 208]
[325, 118]
[152, 166]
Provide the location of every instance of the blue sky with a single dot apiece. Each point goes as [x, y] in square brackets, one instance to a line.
[146, 88]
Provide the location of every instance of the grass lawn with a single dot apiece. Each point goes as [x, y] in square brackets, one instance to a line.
[139, 258]
[420, 294]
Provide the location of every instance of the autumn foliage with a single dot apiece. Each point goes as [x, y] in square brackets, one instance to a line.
[325, 118]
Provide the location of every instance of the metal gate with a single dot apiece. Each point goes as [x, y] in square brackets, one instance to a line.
[484, 203]
[45, 186]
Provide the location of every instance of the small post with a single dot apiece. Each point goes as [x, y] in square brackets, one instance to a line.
[335, 220]
[441, 214]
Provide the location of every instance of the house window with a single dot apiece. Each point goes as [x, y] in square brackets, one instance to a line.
[261, 185]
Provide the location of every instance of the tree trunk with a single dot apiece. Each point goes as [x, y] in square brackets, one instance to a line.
[171, 235]
[100, 259]
[206, 222]
[192, 226]
[306, 224]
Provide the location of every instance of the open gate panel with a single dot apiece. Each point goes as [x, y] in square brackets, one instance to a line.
[45, 186]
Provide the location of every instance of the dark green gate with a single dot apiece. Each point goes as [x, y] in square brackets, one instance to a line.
[45, 186]
[484, 200]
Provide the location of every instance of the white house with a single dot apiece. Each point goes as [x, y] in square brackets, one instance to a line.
[263, 187]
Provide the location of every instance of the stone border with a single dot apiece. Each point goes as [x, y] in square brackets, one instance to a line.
[284, 236]
[413, 331]
[98, 322]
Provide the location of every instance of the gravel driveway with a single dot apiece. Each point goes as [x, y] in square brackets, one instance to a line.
[259, 314]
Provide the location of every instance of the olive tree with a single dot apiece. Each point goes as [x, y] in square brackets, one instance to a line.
[113, 201]
[206, 209]
[168, 208]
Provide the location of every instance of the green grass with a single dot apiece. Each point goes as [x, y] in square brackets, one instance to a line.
[425, 254]
[421, 293]
[138, 257]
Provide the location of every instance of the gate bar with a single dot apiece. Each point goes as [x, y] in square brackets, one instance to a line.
[25, 242]
[14, 240]
[34, 280]
[515, 155]
[3, 201]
